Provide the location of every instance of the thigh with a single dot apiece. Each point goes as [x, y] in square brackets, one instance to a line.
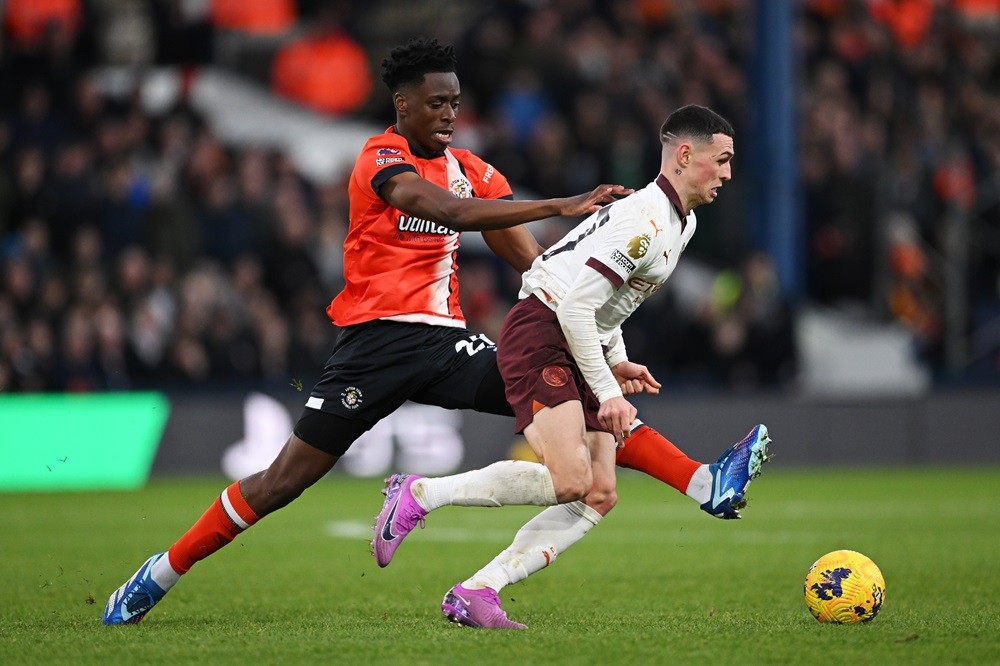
[328, 432]
[465, 374]
[375, 368]
[558, 437]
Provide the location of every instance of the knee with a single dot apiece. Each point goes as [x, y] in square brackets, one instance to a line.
[573, 486]
[601, 500]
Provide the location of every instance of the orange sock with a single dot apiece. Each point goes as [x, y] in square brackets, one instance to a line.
[648, 451]
[225, 519]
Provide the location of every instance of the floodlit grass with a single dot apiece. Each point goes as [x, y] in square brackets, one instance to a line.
[656, 582]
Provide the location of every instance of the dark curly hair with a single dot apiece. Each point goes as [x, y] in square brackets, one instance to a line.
[407, 64]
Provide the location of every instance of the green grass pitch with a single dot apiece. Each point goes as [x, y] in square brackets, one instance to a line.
[656, 582]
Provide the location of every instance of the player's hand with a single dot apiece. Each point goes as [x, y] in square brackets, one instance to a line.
[617, 415]
[634, 378]
[584, 204]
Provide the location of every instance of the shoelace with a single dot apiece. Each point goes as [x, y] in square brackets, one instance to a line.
[410, 520]
[407, 520]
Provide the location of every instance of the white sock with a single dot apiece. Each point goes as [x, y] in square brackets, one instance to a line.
[163, 574]
[536, 545]
[700, 486]
[508, 482]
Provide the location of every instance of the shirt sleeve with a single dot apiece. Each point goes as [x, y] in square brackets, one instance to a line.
[615, 352]
[629, 244]
[487, 181]
[577, 315]
[383, 157]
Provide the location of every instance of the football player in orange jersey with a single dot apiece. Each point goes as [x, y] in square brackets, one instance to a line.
[403, 335]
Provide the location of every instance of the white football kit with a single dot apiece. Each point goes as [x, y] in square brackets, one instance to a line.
[603, 269]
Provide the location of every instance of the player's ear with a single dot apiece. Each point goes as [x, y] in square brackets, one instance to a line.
[683, 154]
[399, 101]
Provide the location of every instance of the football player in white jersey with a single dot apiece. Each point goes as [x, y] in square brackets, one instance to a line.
[566, 373]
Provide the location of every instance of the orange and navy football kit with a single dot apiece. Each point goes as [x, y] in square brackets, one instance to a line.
[396, 266]
[403, 334]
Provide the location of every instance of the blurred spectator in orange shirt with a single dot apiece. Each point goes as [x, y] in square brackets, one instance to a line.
[261, 17]
[908, 20]
[27, 22]
[325, 70]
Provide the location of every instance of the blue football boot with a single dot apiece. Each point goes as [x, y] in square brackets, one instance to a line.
[130, 602]
[732, 473]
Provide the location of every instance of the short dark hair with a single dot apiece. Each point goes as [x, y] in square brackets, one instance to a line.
[697, 122]
[407, 64]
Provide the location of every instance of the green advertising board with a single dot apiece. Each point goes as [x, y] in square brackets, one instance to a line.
[94, 441]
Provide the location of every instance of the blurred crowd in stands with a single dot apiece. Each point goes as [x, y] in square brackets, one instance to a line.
[136, 250]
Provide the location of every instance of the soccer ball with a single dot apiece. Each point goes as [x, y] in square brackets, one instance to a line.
[844, 587]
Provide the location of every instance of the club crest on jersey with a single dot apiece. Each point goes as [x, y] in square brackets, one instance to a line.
[461, 188]
[638, 246]
[351, 397]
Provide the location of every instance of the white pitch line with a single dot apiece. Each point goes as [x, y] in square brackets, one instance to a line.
[349, 529]
[354, 530]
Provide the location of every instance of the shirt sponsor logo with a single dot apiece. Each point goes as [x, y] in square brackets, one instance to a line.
[622, 261]
[387, 160]
[416, 225]
[638, 246]
[643, 287]
[489, 173]
[387, 151]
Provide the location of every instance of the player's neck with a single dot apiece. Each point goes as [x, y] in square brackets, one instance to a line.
[671, 188]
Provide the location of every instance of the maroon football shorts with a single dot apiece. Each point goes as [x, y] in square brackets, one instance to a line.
[537, 367]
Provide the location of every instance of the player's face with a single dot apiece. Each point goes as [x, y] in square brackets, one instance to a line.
[426, 113]
[710, 167]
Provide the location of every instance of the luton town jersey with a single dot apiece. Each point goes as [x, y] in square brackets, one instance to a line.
[634, 243]
[397, 266]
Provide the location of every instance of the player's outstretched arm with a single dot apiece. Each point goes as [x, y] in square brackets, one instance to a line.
[412, 194]
[517, 246]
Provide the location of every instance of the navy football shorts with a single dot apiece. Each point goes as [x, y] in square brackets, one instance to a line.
[379, 365]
